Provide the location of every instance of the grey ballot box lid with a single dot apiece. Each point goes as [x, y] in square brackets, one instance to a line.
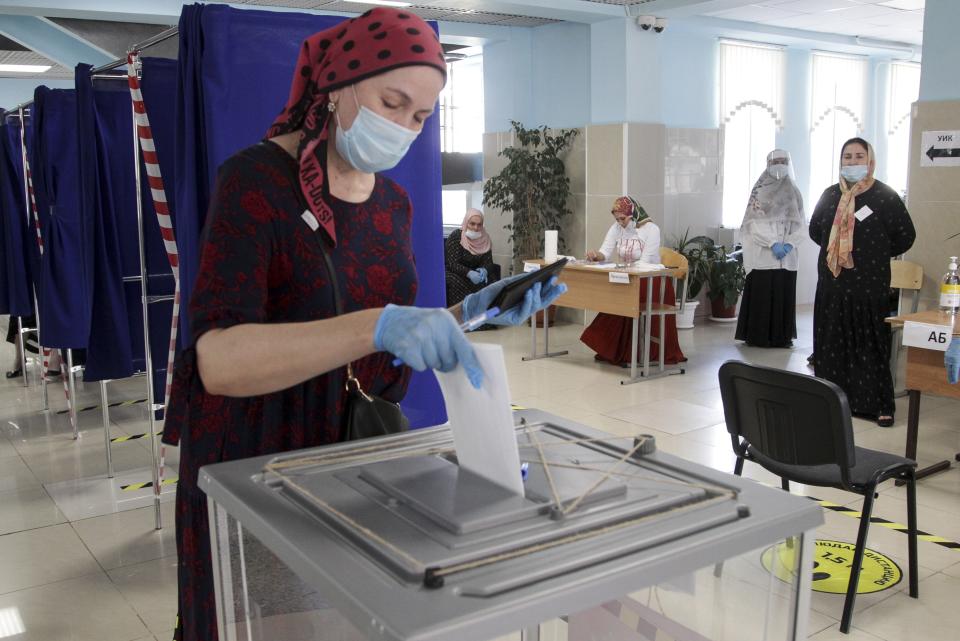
[462, 520]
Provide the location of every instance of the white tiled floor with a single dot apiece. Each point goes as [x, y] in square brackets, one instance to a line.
[81, 560]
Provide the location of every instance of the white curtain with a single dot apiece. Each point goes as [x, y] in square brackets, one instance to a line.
[904, 89]
[838, 104]
[751, 99]
[751, 75]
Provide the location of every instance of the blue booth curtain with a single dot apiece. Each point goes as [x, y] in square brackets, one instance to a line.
[66, 267]
[16, 283]
[108, 187]
[235, 72]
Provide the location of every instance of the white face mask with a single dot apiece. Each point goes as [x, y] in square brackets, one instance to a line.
[473, 235]
[373, 143]
[854, 173]
[778, 171]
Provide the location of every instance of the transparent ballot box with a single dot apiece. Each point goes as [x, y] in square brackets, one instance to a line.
[389, 539]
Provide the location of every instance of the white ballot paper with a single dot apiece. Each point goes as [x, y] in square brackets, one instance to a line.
[482, 421]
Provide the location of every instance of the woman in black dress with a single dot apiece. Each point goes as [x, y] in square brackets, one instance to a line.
[265, 371]
[859, 223]
[468, 255]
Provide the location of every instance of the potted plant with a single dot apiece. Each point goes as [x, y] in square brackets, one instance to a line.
[533, 188]
[725, 283]
[697, 252]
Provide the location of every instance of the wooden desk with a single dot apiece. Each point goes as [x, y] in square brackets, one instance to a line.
[925, 373]
[589, 288]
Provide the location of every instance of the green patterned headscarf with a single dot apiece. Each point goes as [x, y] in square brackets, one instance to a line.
[629, 206]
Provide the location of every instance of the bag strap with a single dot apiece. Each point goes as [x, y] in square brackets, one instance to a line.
[352, 384]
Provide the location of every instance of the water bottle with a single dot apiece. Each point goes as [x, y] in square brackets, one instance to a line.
[950, 288]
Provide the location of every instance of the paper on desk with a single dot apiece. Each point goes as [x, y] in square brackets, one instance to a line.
[482, 421]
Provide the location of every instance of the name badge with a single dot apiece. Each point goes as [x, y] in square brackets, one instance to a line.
[620, 278]
[530, 267]
[927, 335]
[862, 213]
[310, 219]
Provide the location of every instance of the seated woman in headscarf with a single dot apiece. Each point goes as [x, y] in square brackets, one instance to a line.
[773, 226]
[468, 254]
[633, 237]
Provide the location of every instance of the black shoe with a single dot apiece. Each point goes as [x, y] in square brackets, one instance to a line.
[15, 373]
[53, 373]
[886, 421]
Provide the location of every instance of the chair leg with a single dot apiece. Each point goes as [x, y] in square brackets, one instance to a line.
[912, 534]
[738, 468]
[784, 484]
[848, 604]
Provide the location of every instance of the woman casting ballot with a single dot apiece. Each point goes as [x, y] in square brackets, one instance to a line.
[266, 369]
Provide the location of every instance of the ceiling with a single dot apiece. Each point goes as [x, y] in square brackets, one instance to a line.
[473, 11]
[21, 57]
[899, 21]
[896, 20]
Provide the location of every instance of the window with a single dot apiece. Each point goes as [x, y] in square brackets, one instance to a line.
[455, 205]
[837, 114]
[461, 106]
[751, 98]
[904, 88]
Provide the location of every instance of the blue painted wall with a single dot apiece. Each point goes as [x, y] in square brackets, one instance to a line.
[689, 85]
[507, 87]
[13, 91]
[560, 75]
[939, 77]
[608, 72]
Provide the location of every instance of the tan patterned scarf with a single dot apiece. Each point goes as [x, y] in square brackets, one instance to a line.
[840, 244]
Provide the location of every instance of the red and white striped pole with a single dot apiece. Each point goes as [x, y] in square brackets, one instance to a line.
[36, 225]
[162, 209]
[160, 205]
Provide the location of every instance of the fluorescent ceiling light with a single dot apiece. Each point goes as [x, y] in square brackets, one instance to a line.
[386, 3]
[23, 68]
[10, 623]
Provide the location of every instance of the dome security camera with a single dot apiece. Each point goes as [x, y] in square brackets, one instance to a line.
[645, 22]
[659, 25]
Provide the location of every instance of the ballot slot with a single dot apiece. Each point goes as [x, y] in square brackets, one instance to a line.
[408, 513]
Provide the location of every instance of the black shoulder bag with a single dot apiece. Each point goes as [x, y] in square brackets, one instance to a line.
[367, 415]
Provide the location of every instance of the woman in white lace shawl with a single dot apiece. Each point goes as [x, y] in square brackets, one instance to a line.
[772, 228]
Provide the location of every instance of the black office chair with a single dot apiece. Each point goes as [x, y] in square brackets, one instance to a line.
[799, 428]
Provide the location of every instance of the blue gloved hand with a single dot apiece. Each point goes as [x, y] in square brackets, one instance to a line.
[777, 249]
[483, 274]
[535, 299]
[951, 360]
[787, 248]
[474, 277]
[426, 338]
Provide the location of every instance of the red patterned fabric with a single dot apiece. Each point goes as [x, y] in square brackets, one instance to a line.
[379, 40]
[610, 336]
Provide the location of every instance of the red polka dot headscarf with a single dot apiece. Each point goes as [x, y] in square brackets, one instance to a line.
[377, 41]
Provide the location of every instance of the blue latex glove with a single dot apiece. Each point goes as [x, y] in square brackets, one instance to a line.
[535, 299]
[483, 274]
[787, 248]
[474, 277]
[777, 249]
[426, 338]
[951, 360]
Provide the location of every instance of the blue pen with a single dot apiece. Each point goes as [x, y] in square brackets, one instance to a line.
[468, 326]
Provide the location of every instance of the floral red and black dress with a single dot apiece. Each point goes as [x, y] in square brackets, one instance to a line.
[263, 263]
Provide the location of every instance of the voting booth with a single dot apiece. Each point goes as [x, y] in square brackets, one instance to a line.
[391, 539]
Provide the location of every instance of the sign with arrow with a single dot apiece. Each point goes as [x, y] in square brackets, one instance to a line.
[940, 149]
